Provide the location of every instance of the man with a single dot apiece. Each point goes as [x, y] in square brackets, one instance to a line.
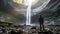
[41, 21]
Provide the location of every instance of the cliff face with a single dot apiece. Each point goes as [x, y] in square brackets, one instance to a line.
[50, 13]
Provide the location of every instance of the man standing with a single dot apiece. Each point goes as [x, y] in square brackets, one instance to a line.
[41, 22]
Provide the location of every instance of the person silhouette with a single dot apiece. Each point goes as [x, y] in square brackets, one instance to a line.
[41, 22]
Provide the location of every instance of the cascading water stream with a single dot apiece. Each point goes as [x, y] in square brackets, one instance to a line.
[28, 14]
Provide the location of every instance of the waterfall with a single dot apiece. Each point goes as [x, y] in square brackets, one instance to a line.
[28, 14]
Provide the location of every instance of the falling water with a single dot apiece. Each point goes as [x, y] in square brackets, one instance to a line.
[28, 14]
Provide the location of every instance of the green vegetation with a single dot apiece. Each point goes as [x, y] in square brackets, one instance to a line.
[7, 18]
